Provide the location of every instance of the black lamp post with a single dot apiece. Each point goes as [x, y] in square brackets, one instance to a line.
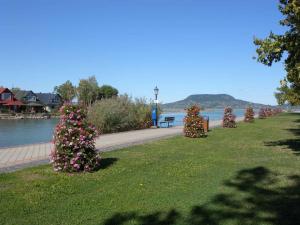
[156, 90]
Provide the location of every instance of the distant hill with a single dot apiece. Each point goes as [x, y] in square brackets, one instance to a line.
[209, 101]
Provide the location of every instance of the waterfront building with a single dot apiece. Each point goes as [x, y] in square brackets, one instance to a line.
[8, 101]
[50, 101]
[30, 100]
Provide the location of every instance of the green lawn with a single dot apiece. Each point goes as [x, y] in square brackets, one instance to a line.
[248, 175]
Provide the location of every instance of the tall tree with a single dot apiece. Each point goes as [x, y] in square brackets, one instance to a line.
[66, 90]
[107, 91]
[272, 49]
[88, 91]
[15, 90]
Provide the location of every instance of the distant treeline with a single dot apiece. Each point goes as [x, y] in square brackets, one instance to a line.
[87, 91]
[108, 111]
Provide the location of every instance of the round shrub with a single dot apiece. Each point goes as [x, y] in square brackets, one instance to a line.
[193, 123]
[74, 142]
[229, 118]
[120, 114]
[249, 115]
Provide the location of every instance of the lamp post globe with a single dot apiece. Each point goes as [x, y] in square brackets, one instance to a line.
[156, 90]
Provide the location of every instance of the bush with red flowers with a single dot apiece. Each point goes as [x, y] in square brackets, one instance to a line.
[229, 118]
[249, 115]
[269, 112]
[276, 111]
[262, 113]
[74, 142]
[193, 123]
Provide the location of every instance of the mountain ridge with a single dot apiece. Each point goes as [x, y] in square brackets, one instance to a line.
[210, 101]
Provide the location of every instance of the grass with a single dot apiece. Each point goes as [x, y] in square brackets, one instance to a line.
[247, 175]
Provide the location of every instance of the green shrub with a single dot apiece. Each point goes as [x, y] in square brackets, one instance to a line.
[4, 110]
[120, 114]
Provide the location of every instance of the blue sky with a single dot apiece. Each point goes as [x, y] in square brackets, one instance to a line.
[182, 46]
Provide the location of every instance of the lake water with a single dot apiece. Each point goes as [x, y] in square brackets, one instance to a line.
[213, 115]
[27, 131]
[30, 131]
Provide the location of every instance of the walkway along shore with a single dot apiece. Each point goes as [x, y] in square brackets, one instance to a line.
[14, 158]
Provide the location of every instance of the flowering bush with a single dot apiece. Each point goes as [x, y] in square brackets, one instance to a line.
[229, 118]
[262, 113]
[74, 142]
[249, 115]
[193, 123]
[268, 112]
[276, 111]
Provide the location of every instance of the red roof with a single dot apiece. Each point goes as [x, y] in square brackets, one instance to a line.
[9, 102]
[12, 102]
[2, 90]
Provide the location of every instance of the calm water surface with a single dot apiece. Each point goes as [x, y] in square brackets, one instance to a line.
[30, 131]
[27, 131]
[213, 115]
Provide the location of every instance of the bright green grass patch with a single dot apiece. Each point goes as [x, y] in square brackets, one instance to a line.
[247, 175]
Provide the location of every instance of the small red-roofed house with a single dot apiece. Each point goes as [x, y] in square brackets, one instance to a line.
[8, 102]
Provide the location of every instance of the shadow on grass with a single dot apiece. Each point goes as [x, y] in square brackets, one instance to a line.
[291, 144]
[294, 131]
[257, 196]
[156, 218]
[107, 162]
[298, 120]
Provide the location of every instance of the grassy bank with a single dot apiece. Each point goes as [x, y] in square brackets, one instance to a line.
[248, 175]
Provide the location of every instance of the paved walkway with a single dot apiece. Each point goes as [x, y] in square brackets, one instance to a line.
[14, 158]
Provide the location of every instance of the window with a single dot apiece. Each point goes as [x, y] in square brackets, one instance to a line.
[55, 99]
[6, 96]
[31, 98]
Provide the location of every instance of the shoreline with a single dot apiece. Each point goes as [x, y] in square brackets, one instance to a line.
[21, 116]
[121, 132]
[14, 158]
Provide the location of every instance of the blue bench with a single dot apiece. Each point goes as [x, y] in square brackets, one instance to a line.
[168, 120]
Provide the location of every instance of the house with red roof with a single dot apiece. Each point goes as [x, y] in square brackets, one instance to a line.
[8, 101]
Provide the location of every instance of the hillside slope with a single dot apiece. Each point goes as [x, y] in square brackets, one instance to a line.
[209, 101]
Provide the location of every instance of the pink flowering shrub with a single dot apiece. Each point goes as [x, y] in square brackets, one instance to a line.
[277, 111]
[249, 115]
[229, 118]
[262, 113]
[74, 142]
[193, 123]
[269, 112]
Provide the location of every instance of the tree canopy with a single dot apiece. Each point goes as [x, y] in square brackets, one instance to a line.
[14, 90]
[107, 91]
[274, 47]
[88, 90]
[66, 90]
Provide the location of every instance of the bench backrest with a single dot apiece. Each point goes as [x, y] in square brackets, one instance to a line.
[169, 118]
